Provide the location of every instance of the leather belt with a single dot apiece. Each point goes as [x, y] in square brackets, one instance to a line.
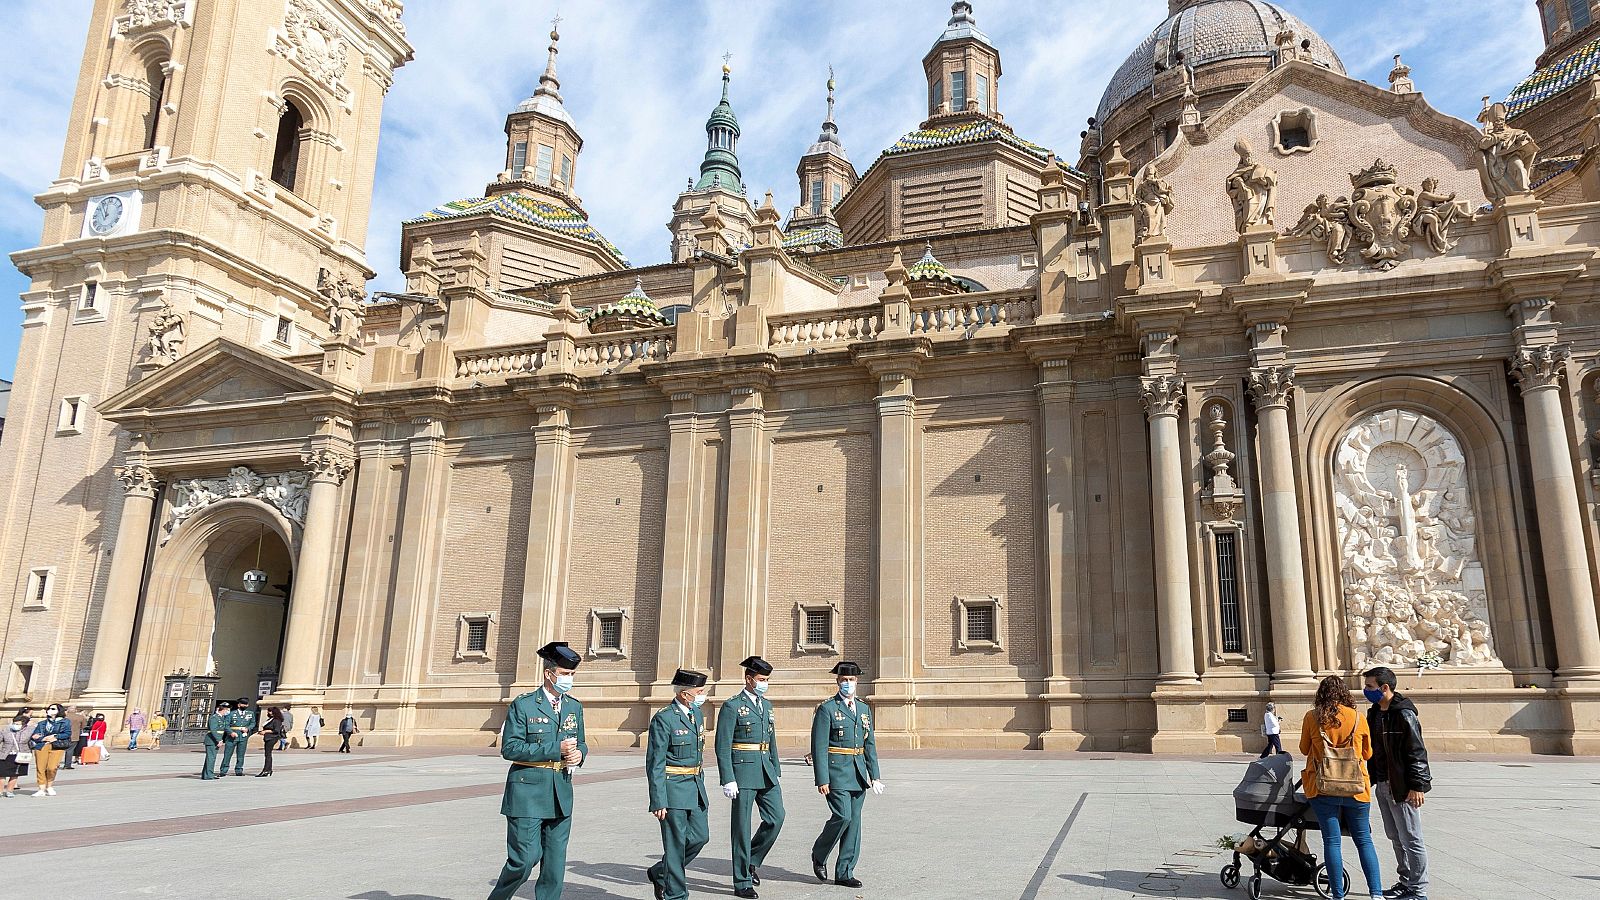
[683, 770]
[762, 748]
[845, 751]
[557, 765]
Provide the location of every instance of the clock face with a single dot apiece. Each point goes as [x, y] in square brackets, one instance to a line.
[107, 213]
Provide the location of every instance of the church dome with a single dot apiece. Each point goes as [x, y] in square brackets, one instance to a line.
[1209, 31]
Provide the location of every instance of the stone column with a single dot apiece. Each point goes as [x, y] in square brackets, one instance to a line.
[743, 561]
[549, 535]
[1063, 613]
[416, 565]
[678, 557]
[308, 606]
[1555, 492]
[1271, 388]
[114, 638]
[1163, 397]
[897, 407]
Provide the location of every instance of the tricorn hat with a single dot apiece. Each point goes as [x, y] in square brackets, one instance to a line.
[244, 700]
[688, 679]
[757, 665]
[559, 653]
[847, 668]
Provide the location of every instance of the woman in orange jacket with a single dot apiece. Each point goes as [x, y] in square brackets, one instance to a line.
[1333, 719]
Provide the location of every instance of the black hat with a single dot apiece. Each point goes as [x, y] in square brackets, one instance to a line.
[847, 668]
[222, 703]
[757, 666]
[559, 653]
[243, 700]
[688, 679]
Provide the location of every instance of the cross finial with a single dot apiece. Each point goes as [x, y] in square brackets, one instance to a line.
[555, 23]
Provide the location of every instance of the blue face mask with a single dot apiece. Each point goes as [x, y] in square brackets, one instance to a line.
[1375, 696]
[761, 688]
[563, 683]
[847, 688]
[699, 700]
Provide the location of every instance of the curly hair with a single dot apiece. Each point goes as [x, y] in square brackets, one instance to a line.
[1332, 693]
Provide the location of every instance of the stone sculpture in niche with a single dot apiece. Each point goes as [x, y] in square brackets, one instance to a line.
[345, 309]
[1379, 217]
[1413, 584]
[1253, 187]
[166, 336]
[1154, 199]
[288, 492]
[1505, 154]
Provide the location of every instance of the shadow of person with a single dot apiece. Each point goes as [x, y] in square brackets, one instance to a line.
[622, 873]
[385, 895]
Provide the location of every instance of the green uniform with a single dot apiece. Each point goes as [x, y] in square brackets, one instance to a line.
[747, 754]
[845, 758]
[537, 802]
[216, 737]
[677, 738]
[242, 724]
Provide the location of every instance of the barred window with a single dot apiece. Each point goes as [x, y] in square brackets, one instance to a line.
[980, 623]
[819, 626]
[611, 632]
[477, 636]
[1228, 591]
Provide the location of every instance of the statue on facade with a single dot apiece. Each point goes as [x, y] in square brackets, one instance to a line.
[1253, 188]
[1436, 212]
[1154, 199]
[1505, 155]
[1327, 221]
[345, 309]
[166, 336]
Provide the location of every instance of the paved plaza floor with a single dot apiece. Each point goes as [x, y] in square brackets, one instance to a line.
[418, 824]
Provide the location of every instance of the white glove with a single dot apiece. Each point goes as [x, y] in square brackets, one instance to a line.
[877, 787]
[730, 790]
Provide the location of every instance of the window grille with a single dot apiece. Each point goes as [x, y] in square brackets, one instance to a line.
[1228, 591]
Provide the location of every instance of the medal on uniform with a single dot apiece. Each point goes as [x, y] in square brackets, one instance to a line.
[570, 723]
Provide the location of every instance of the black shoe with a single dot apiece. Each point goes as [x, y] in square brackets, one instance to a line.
[755, 878]
[222, 774]
[661, 891]
[820, 869]
[747, 893]
[848, 882]
[262, 774]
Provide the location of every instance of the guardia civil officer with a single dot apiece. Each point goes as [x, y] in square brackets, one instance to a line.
[216, 738]
[845, 759]
[543, 738]
[241, 724]
[747, 766]
[672, 764]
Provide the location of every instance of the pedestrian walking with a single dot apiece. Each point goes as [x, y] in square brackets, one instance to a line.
[241, 725]
[748, 767]
[1272, 729]
[272, 733]
[158, 727]
[673, 769]
[1401, 779]
[844, 758]
[216, 741]
[288, 728]
[1336, 743]
[135, 723]
[50, 741]
[97, 737]
[543, 738]
[16, 754]
[347, 730]
[313, 728]
[78, 720]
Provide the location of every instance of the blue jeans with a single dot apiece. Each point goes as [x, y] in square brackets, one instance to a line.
[1337, 815]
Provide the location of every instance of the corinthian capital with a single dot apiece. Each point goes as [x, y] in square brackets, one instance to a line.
[138, 481]
[328, 465]
[1271, 386]
[1540, 367]
[1162, 395]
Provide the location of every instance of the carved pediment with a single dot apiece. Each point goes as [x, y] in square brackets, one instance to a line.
[221, 372]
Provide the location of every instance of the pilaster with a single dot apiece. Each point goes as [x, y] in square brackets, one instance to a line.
[744, 532]
[679, 548]
[114, 636]
[416, 569]
[549, 536]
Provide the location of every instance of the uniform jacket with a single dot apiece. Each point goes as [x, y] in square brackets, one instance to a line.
[836, 725]
[217, 728]
[56, 733]
[243, 724]
[676, 739]
[742, 720]
[1398, 755]
[533, 733]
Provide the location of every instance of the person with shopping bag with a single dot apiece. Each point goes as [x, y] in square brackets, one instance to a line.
[1336, 743]
[15, 755]
[97, 741]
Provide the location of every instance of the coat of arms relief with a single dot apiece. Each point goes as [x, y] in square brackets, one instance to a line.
[1413, 583]
[1381, 217]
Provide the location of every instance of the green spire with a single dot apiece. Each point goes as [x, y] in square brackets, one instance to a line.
[720, 168]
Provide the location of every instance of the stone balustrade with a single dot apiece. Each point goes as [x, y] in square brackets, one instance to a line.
[965, 314]
[512, 359]
[609, 351]
[827, 327]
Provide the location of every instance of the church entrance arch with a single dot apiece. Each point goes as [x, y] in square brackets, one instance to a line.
[202, 614]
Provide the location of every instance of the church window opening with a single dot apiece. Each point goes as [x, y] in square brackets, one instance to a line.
[478, 636]
[605, 632]
[978, 623]
[1169, 135]
[1228, 591]
[819, 626]
[41, 583]
[286, 152]
[157, 78]
[541, 171]
[1579, 10]
[21, 679]
[611, 632]
[936, 95]
[474, 634]
[815, 628]
[1294, 136]
[566, 170]
[282, 334]
[519, 158]
[70, 418]
[958, 91]
[90, 299]
[1552, 18]
[816, 197]
[838, 193]
[982, 84]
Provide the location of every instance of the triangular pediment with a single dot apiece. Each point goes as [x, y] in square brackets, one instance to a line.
[220, 373]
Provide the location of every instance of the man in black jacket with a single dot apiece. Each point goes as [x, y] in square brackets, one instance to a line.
[1400, 779]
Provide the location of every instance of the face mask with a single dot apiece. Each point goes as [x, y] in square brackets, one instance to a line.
[563, 683]
[1376, 696]
[699, 700]
[761, 688]
[847, 688]
[16, 726]
[54, 713]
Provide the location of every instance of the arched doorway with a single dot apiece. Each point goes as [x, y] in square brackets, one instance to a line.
[199, 615]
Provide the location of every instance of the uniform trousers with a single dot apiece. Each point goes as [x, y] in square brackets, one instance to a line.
[684, 833]
[843, 828]
[234, 750]
[534, 842]
[209, 773]
[750, 852]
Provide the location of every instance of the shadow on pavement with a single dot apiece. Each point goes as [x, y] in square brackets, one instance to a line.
[385, 895]
[1195, 885]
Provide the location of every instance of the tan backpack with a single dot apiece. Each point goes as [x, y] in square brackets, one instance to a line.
[1339, 769]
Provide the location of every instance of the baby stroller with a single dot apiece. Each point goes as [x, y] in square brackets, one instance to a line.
[1269, 798]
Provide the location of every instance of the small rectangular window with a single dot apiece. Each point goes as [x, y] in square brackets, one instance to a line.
[284, 330]
[1228, 591]
[1292, 137]
[611, 632]
[478, 636]
[816, 197]
[21, 679]
[69, 420]
[1579, 10]
[1238, 714]
[958, 91]
[41, 584]
[819, 626]
[838, 193]
[90, 297]
[937, 97]
[566, 171]
[541, 171]
[519, 158]
[981, 82]
[474, 636]
[816, 628]
[606, 632]
[978, 624]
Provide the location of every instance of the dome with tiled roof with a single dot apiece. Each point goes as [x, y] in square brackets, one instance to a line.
[1209, 31]
[1575, 68]
[929, 277]
[634, 310]
[539, 213]
[968, 132]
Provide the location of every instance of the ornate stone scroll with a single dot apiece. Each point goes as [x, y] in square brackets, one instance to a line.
[1162, 395]
[311, 39]
[287, 492]
[1413, 584]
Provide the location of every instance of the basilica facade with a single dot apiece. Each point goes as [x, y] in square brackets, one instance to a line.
[1279, 374]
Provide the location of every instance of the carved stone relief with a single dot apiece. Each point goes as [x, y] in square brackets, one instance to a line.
[311, 40]
[346, 309]
[167, 335]
[1505, 154]
[1380, 216]
[141, 14]
[1413, 584]
[1153, 197]
[288, 492]
[390, 11]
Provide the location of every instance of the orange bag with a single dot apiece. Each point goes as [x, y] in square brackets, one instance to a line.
[91, 756]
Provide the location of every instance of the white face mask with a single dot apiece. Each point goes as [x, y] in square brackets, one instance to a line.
[16, 726]
[699, 700]
[761, 688]
[54, 713]
[563, 683]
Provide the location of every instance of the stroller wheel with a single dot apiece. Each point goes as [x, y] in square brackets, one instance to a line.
[1230, 876]
[1322, 885]
[1252, 888]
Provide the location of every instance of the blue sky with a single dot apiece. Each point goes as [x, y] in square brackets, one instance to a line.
[640, 78]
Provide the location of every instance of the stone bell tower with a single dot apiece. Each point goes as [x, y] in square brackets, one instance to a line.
[219, 155]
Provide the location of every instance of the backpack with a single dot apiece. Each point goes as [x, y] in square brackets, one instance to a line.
[1339, 769]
